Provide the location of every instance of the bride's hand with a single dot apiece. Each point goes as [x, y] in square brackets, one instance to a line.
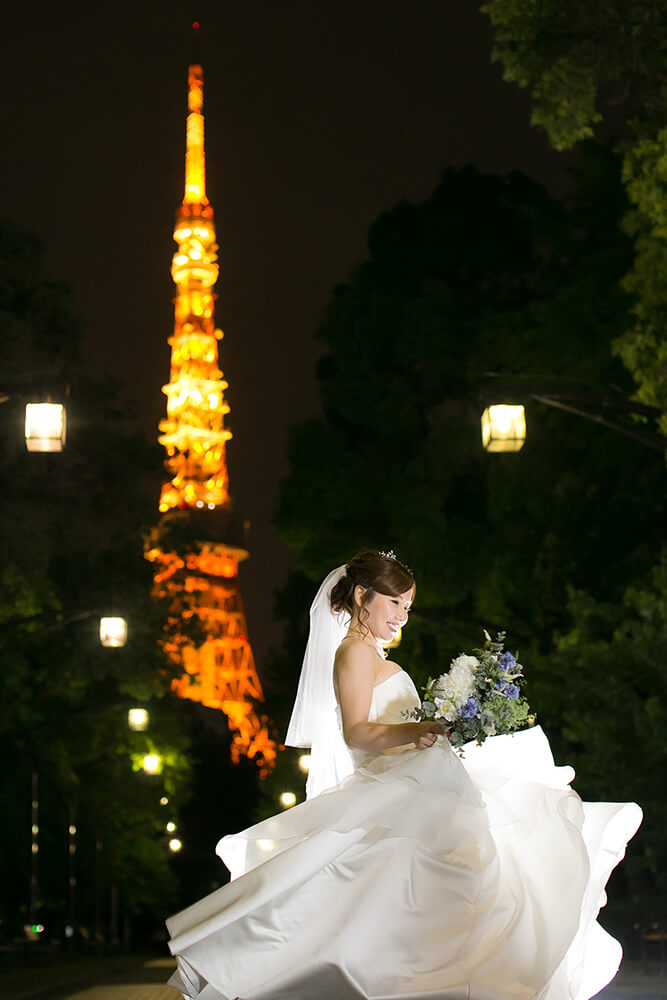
[426, 733]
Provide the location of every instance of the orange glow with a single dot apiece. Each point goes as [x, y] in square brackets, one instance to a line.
[205, 635]
[195, 170]
[219, 673]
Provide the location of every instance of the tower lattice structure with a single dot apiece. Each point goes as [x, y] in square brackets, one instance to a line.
[198, 543]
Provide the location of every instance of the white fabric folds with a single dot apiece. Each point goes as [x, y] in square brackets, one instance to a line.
[422, 876]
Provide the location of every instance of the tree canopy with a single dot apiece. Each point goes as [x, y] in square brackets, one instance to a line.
[584, 63]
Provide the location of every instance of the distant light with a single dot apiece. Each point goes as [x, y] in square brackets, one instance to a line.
[72, 830]
[195, 25]
[113, 632]
[504, 428]
[164, 800]
[137, 719]
[151, 763]
[37, 928]
[171, 827]
[395, 642]
[35, 829]
[304, 762]
[69, 931]
[175, 844]
[45, 426]
[211, 506]
[287, 799]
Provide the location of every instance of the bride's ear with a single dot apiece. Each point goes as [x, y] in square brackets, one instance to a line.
[359, 592]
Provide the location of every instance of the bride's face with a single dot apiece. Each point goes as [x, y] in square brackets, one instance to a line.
[386, 615]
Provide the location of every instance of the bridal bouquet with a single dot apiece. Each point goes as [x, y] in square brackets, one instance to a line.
[479, 696]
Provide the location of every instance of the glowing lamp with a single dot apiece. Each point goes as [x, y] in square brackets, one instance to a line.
[396, 641]
[151, 763]
[137, 719]
[287, 800]
[113, 632]
[503, 428]
[164, 800]
[304, 761]
[175, 845]
[171, 827]
[44, 426]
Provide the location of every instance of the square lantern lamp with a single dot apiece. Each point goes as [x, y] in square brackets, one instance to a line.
[113, 632]
[137, 719]
[45, 426]
[504, 428]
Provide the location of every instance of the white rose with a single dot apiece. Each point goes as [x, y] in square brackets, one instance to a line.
[452, 690]
[468, 662]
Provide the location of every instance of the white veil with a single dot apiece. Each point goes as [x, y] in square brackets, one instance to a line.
[314, 722]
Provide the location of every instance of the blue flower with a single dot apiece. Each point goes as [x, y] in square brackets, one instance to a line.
[469, 710]
[512, 691]
[507, 661]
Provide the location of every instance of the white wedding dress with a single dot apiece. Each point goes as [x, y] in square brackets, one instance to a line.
[423, 876]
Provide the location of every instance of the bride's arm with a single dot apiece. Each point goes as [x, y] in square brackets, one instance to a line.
[354, 674]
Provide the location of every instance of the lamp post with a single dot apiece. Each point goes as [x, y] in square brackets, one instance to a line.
[152, 763]
[504, 425]
[137, 719]
[113, 632]
[45, 426]
[503, 428]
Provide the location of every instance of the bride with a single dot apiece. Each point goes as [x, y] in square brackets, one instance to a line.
[410, 872]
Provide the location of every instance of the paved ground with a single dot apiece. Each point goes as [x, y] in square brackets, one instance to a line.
[110, 978]
[142, 978]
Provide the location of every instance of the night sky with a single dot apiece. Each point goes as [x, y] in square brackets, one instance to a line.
[319, 116]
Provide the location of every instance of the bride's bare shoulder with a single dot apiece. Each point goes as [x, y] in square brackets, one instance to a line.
[355, 656]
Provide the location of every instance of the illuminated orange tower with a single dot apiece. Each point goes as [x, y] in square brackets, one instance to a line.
[198, 543]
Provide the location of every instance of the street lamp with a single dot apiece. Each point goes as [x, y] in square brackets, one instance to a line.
[45, 426]
[151, 763]
[503, 427]
[137, 719]
[113, 632]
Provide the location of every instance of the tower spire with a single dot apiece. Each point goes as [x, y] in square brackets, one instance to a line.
[198, 543]
[195, 163]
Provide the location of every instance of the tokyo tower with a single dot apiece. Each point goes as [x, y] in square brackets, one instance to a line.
[199, 542]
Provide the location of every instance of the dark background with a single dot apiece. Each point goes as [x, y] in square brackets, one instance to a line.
[318, 118]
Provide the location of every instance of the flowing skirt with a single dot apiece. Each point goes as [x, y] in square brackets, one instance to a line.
[423, 876]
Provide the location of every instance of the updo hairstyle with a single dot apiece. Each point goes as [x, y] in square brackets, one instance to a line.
[378, 573]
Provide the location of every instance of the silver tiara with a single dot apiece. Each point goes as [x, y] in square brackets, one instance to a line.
[392, 555]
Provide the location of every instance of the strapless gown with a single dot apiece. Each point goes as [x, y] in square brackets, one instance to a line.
[422, 876]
